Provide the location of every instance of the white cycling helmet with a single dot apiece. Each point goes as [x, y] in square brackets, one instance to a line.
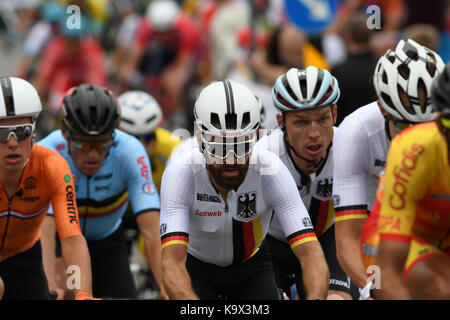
[18, 99]
[141, 113]
[400, 74]
[227, 114]
[300, 89]
[162, 14]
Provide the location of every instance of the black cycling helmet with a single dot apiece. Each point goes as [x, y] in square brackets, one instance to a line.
[90, 110]
[440, 91]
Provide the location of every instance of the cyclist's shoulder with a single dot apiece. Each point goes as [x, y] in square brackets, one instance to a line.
[422, 133]
[365, 121]
[126, 144]
[45, 159]
[54, 140]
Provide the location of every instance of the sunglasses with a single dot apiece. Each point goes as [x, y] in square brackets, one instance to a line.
[146, 138]
[445, 120]
[20, 132]
[88, 145]
[240, 146]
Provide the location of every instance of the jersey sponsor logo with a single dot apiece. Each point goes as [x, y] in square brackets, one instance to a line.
[148, 188]
[71, 204]
[307, 222]
[208, 197]
[401, 175]
[389, 222]
[246, 205]
[29, 199]
[325, 188]
[144, 168]
[100, 188]
[336, 200]
[67, 178]
[60, 147]
[163, 229]
[30, 183]
[208, 213]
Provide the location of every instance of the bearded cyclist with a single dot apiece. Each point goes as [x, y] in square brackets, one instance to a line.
[402, 80]
[217, 203]
[110, 169]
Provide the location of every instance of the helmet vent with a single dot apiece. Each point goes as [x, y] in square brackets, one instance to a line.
[150, 119]
[231, 121]
[411, 51]
[403, 70]
[245, 120]
[387, 100]
[215, 121]
[431, 64]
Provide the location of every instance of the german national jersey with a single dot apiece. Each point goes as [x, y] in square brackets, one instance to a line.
[194, 214]
[360, 147]
[317, 197]
[416, 197]
[102, 199]
[46, 179]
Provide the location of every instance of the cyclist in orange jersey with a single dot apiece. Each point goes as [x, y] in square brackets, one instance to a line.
[31, 178]
[414, 221]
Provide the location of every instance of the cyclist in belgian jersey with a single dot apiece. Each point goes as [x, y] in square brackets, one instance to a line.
[33, 177]
[414, 221]
[307, 101]
[217, 203]
[110, 168]
[402, 80]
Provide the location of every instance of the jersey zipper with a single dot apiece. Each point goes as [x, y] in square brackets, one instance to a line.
[226, 207]
[8, 216]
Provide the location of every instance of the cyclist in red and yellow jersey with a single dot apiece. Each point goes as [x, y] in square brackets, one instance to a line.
[414, 220]
[31, 178]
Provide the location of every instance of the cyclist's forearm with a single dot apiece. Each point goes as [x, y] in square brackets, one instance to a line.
[48, 244]
[177, 282]
[349, 258]
[315, 272]
[153, 254]
[75, 253]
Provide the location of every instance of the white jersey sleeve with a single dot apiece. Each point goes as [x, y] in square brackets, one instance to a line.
[360, 146]
[177, 193]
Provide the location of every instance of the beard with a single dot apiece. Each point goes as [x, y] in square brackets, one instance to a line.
[227, 182]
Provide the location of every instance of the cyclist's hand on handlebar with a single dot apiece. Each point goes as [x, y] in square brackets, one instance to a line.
[85, 296]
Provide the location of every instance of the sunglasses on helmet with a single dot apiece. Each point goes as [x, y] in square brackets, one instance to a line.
[20, 132]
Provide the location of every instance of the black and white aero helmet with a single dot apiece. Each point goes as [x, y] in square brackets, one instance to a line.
[141, 113]
[227, 111]
[401, 75]
[18, 99]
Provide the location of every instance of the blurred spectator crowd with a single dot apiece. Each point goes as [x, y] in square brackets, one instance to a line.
[172, 49]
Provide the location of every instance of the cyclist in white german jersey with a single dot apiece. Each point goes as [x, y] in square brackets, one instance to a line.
[306, 100]
[217, 205]
[402, 81]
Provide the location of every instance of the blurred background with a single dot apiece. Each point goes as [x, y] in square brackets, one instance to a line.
[172, 48]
